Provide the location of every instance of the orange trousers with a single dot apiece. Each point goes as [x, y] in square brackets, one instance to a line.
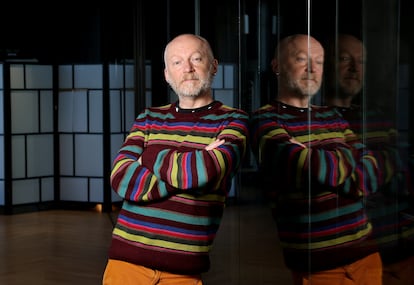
[399, 273]
[366, 271]
[123, 273]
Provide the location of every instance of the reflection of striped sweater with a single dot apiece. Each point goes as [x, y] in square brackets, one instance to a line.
[393, 231]
[174, 199]
[319, 188]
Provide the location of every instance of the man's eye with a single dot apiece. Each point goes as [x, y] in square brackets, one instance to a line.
[344, 59]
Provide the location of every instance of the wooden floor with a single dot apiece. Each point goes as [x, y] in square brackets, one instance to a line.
[68, 247]
[53, 247]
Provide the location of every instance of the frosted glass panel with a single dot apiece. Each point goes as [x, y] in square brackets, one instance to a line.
[148, 98]
[122, 111]
[24, 112]
[116, 76]
[121, 76]
[47, 191]
[65, 76]
[39, 77]
[88, 155]
[2, 202]
[115, 111]
[46, 111]
[25, 191]
[66, 154]
[18, 157]
[228, 76]
[16, 76]
[2, 162]
[39, 155]
[88, 76]
[95, 112]
[80, 127]
[1, 76]
[129, 76]
[96, 190]
[225, 96]
[130, 114]
[115, 197]
[148, 77]
[218, 78]
[74, 189]
[1, 108]
[116, 143]
[72, 111]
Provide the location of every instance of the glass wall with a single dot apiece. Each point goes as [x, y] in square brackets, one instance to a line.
[74, 66]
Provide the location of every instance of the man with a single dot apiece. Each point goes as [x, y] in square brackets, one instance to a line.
[389, 208]
[174, 171]
[318, 173]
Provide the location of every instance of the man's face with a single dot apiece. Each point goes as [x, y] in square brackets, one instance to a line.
[188, 67]
[350, 66]
[302, 67]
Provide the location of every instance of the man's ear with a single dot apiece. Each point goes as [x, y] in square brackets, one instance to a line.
[215, 66]
[275, 66]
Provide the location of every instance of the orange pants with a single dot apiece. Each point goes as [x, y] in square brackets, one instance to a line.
[399, 273]
[366, 271]
[123, 273]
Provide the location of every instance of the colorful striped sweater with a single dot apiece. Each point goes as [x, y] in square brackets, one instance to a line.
[318, 190]
[174, 200]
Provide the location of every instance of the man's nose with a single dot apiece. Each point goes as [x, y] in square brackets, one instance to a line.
[188, 66]
[354, 66]
[312, 66]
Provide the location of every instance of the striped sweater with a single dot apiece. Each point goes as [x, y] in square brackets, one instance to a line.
[318, 191]
[173, 189]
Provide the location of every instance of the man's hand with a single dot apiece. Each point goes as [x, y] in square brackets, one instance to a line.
[214, 144]
[292, 140]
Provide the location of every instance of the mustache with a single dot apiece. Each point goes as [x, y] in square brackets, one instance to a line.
[352, 77]
[309, 78]
[191, 77]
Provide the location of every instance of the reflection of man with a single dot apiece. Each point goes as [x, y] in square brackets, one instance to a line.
[318, 174]
[344, 72]
[387, 209]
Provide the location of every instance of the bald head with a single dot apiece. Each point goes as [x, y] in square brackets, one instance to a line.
[189, 69]
[182, 41]
[295, 42]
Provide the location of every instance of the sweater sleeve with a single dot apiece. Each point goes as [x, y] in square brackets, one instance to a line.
[330, 160]
[199, 170]
[145, 172]
[129, 178]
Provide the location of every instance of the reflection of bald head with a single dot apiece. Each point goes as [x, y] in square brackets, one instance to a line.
[345, 42]
[347, 38]
[292, 42]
